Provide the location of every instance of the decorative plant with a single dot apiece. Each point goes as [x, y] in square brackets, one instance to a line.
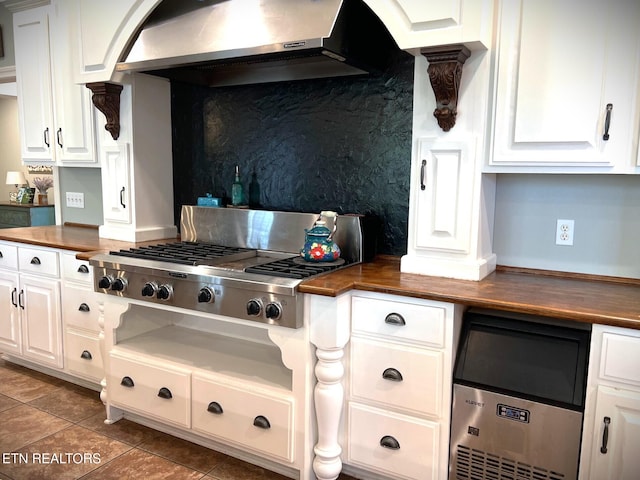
[43, 183]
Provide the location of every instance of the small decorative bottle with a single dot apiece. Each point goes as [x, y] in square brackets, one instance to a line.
[237, 190]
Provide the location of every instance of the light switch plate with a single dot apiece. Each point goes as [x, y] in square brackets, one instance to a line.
[75, 200]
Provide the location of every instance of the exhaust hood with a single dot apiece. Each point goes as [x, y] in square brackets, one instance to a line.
[237, 42]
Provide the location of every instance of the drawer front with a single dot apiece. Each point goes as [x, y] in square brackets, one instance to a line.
[400, 377]
[400, 320]
[15, 217]
[9, 256]
[80, 308]
[38, 262]
[76, 270]
[620, 358]
[83, 356]
[393, 445]
[146, 384]
[239, 411]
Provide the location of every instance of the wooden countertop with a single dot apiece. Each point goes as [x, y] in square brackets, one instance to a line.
[593, 299]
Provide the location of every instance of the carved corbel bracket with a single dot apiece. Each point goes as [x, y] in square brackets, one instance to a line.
[106, 98]
[445, 70]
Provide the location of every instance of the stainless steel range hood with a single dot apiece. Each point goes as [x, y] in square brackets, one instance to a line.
[235, 42]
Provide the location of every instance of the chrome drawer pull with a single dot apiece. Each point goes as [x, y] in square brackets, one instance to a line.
[86, 355]
[605, 435]
[84, 307]
[165, 393]
[214, 407]
[261, 422]
[389, 442]
[35, 261]
[127, 382]
[83, 269]
[392, 374]
[395, 319]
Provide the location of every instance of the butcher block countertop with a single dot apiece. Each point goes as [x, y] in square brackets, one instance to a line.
[585, 298]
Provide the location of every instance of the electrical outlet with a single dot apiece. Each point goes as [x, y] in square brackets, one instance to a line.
[75, 199]
[564, 232]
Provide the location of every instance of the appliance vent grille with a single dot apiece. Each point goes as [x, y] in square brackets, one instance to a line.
[473, 464]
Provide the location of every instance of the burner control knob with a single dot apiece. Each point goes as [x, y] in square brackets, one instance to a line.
[273, 311]
[205, 295]
[164, 292]
[254, 307]
[118, 285]
[105, 282]
[149, 289]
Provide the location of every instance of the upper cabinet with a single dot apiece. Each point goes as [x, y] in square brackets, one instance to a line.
[55, 114]
[567, 87]
[426, 23]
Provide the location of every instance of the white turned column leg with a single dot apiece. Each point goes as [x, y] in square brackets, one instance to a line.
[329, 397]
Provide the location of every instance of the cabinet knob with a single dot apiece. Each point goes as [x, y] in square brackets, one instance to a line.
[127, 382]
[261, 422]
[214, 407]
[392, 374]
[389, 442]
[86, 355]
[395, 319]
[165, 393]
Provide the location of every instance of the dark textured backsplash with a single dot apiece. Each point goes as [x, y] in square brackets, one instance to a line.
[340, 144]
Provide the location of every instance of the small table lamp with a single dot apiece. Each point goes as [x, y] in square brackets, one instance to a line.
[15, 178]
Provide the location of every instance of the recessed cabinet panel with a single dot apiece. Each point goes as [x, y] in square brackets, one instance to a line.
[10, 321]
[116, 186]
[444, 197]
[41, 321]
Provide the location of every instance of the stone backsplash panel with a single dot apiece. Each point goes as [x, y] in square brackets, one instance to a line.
[340, 144]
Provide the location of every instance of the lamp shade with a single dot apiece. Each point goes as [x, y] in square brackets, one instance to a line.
[15, 178]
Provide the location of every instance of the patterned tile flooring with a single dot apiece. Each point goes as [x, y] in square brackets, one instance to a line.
[51, 429]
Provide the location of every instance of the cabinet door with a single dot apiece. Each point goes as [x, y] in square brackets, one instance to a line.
[442, 216]
[73, 109]
[41, 320]
[33, 78]
[617, 420]
[10, 319]
[567, 77]
[115, 183]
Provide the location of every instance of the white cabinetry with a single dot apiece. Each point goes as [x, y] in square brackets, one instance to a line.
[612, 413]
[30, 296]
[82, 351]
[559, 69]
[401, 363]
[56, 115]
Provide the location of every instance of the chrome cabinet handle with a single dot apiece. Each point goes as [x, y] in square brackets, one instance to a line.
[389, 442]
[607, 122]
[35, 261]
[83, 269]
[165, 393]
[122, 198]
[215, 407]
[46, 137]
[422, 174]
[86, 355]
[127, 382]
[605, 435]
[392, 374]
[395, 319]
[261, 422]
[59, 136]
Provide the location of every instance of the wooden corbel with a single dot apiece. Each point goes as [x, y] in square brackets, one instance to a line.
[445, 70]
[106, 98]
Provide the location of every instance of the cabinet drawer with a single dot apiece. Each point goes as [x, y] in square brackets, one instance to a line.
[83, 356]
[620, 358]
[399, 377]
[411, 445]
[240, 416]
[9, 256]
[76, 270]
[146, 383]
[38, 262]
[80, 308]
[400, 320]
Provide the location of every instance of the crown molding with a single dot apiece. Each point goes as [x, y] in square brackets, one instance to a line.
[18, 5]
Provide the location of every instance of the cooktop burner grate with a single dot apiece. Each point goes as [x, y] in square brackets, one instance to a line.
[294, 267]
[184, 253]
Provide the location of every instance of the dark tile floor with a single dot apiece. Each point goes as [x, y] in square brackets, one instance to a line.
[52, 429]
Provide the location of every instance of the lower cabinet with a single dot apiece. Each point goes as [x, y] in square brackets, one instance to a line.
[611, 433]
[399, 386]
